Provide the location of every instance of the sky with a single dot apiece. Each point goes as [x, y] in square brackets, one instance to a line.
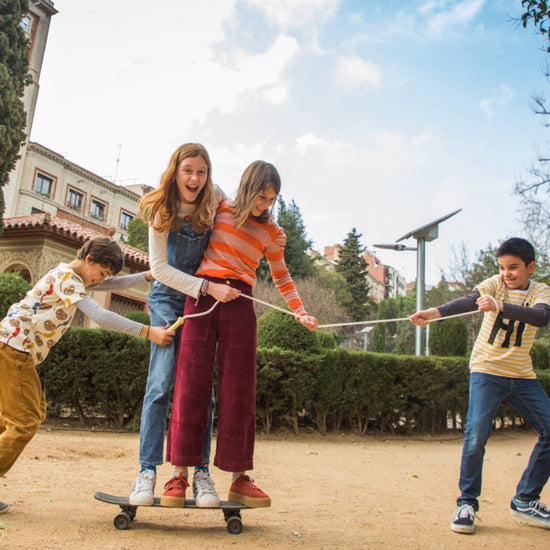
[380, 115]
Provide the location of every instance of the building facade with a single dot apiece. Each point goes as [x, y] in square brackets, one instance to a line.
[49, 183]
[32, 245]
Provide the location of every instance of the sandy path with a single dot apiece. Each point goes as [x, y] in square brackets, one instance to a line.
[333, 492]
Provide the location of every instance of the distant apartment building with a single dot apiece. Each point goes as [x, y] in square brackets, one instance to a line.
[384, 281]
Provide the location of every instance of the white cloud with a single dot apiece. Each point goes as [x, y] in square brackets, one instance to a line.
[275, 95]
[296, 13]
[450, 14]
[251, 75]
[499, 97]
[354, 72]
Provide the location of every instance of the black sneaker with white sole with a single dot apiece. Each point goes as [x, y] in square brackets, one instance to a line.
[463, 519]
[533, 511]
[4, 507]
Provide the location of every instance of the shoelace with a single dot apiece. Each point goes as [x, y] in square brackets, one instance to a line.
[205, 484]
[250, 482]
[539, 506]
[175, 481]
[466, 511]
[143, 483]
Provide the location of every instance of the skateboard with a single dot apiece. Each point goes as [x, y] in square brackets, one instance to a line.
[231, 511]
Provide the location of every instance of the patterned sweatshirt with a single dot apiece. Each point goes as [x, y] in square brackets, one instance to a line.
[235, 254]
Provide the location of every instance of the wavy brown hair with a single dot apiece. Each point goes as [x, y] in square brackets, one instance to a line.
[258, 177]
[162, 204]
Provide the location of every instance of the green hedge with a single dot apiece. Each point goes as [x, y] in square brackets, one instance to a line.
[96, 372]
[91, 372]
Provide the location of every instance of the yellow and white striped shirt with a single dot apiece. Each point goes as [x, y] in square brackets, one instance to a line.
[502, 346]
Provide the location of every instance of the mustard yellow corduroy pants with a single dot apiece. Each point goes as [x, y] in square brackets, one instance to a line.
[22, 404]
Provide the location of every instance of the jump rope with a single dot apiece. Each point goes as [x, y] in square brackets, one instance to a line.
[182, 320]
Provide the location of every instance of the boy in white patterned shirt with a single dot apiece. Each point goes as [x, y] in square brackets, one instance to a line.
[501, 369]
[35, 324]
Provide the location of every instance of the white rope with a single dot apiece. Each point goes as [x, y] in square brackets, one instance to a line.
[181, 320]
[378, 321]
[268, 305]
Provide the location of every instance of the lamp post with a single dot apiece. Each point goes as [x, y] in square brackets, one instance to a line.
[426, 233]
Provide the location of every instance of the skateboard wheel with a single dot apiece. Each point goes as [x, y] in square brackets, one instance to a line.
[122, 521]
[234, 525]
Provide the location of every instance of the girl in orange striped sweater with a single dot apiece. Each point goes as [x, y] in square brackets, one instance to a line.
[244, 232]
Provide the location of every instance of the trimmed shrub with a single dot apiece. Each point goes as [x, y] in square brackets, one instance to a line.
[449, 338]
[540, 354]
[12, 289]
[326, 339]
[139, 316]
[276, 329]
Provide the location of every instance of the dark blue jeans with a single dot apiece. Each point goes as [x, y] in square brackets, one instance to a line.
[528, 397]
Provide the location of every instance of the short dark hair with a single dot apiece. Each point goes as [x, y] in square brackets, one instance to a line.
[104, 251]
[517, 247]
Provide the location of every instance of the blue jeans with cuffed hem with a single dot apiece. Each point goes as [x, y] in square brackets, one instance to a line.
[164, 307]
[528, 397]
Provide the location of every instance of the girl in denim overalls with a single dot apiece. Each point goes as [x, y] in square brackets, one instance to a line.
[180, 214]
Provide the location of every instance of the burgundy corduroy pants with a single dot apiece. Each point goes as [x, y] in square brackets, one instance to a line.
[230, 332]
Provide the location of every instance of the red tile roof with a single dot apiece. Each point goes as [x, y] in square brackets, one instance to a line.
[67, 228]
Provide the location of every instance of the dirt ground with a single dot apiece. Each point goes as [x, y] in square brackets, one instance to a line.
[327, 492]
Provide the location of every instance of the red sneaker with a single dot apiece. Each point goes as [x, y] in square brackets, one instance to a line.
[244, 491]
[174, 492]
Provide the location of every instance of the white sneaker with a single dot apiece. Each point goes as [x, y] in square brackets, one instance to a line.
[144, 489]
[203, 489]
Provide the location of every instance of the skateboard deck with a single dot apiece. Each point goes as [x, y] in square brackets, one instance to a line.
[231, 510]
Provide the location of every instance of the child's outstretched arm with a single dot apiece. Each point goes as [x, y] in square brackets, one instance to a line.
[454, 307]
[112, 321]
[123, 281]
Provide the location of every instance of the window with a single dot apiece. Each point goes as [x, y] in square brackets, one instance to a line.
[43, 185]
[36, 211]
[26, 24]
[74, 199]
[97, 210]
[125, 219]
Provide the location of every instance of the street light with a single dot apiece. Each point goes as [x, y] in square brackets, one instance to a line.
[426, 233]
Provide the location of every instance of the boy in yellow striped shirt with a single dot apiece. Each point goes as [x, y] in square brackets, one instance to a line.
[501, 369]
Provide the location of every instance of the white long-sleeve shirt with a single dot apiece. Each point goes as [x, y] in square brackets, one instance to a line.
[158, 255]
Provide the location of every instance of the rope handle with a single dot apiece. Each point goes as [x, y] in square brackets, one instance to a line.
[180, 320]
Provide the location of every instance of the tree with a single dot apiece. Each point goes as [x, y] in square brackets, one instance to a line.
[353, 266]
[440, 294]
[14, 77]
[538, 14]
[319, 299]
[299, 264]
[138, 235]
[297, 260]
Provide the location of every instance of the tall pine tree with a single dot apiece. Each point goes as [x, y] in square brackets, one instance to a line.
[299, 264]
[14, 64]
[353, 266]
[297, 260]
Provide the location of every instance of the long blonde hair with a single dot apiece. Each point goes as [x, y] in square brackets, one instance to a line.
[160, 207]
[258, 177]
